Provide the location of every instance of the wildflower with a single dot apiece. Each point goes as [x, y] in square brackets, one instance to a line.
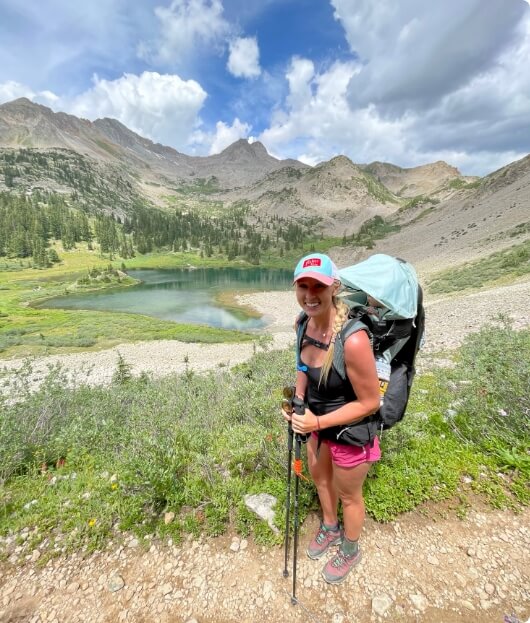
[114, 486]
[92, 522]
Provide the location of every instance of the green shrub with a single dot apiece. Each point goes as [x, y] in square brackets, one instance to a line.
[121, 456]
[512, 262]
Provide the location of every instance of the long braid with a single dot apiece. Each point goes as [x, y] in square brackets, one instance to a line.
[340, 319]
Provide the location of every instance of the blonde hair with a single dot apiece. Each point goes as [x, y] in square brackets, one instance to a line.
[340, 318]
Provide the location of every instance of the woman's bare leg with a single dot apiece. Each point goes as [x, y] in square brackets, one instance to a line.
[348, 482]
[321, 470]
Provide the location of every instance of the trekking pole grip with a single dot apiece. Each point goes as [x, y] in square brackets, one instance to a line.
[299, 409]
[298, 405]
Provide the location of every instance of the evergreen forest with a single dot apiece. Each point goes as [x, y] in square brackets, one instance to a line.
[105, 212]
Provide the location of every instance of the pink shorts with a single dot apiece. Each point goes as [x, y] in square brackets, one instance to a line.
[343, 455]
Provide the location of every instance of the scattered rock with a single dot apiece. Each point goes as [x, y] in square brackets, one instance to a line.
[169, 517]
[115, 583]
[381, 604]
[262, 504]
[419, 602]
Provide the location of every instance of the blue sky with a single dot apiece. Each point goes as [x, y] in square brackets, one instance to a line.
[406, 82]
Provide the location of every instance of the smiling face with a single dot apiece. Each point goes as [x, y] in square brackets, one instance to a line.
[314, 297]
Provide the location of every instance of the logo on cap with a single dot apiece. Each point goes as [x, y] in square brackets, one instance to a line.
[312, 261]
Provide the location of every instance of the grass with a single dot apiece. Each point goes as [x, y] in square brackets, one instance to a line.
[500, 266]
[377, 190]
[26, 330]
[81, 466]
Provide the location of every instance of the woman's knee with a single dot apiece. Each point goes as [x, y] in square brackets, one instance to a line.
[321, 477]
[351, 500]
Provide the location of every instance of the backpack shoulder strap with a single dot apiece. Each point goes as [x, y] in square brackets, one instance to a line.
[352, 325]
[301, 327]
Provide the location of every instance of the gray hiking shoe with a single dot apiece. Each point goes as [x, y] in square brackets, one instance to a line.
[336, 569]
[323, 540]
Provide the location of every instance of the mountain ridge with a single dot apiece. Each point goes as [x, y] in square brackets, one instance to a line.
[440, 212]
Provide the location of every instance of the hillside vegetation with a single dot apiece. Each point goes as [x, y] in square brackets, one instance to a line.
[79, 466]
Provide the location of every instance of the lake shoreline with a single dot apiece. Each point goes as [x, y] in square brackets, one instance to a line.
[449, 320]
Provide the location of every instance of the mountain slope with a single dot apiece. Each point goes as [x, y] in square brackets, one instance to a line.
[449, 217]
[434, 179]
[25, 124]
[478, 220]
[337, 194]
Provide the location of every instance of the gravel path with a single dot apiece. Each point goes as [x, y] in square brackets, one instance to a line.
[422, 569]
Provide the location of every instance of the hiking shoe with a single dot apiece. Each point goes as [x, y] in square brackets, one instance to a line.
[323, 540]
[336, 569]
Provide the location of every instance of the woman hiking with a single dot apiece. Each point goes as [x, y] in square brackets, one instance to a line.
[337, 463]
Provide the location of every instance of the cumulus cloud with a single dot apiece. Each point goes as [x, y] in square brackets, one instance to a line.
[299, 77]
[11, 90]
[185, 26]
[426, 82]
[324, 124]
[243, 59]
[416, 52]
[163, 108]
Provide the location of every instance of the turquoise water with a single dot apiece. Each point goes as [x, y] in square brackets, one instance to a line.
[182, 295]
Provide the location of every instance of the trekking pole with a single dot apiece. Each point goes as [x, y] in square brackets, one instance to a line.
[299, 409]
[287, 406]
[288, 496]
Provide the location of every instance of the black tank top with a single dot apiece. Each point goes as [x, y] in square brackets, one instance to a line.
[333, 395]
[328, 397]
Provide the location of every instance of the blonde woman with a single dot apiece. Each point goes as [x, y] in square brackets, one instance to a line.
[338, 463]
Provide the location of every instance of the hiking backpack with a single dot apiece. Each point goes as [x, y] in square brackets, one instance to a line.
[396, 331]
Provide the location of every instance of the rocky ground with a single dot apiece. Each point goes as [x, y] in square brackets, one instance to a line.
[429, 566]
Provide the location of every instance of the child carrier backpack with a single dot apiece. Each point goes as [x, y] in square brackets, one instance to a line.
[396, 326]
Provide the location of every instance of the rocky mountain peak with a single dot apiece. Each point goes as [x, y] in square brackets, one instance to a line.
[243, 149]
[341, 166]
[421, 180]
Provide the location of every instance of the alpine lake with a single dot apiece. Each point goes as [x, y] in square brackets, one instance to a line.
[187, 296]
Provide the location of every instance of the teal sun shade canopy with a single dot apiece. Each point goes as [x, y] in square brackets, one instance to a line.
[389, 280]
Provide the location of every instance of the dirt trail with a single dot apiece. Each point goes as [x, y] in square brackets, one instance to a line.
[426, 567]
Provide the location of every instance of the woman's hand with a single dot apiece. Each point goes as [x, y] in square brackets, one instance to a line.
[306, 423]
[286, 415]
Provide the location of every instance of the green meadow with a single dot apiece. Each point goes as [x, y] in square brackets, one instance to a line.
[27, 331]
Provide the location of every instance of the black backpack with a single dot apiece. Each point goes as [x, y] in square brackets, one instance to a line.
[384, 335]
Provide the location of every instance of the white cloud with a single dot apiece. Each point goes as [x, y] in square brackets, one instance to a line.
[299, 77]
[243, 60]
[12, 90]
[225, 135]
[416, 52]
[184, 27]
[429, 82]
[323, 124]
[164, 108]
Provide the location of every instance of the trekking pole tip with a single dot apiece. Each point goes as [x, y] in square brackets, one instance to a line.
[285, 573]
